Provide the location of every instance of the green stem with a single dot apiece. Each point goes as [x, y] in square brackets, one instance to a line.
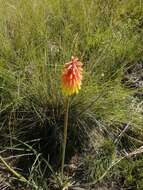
[65, 135]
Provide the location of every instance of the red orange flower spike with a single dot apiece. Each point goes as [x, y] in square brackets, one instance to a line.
[72, 77]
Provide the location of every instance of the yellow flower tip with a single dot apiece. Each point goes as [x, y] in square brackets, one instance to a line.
[71, 77]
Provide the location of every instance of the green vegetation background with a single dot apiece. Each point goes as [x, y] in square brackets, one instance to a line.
[36, 38]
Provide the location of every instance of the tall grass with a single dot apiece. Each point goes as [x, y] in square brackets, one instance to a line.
[37, 37]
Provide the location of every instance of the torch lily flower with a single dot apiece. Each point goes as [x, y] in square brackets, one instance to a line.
[72, 77]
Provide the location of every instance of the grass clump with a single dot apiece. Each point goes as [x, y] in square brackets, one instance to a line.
[129, 173]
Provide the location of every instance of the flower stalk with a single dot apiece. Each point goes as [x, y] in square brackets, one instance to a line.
[65, 135]
[71, 81]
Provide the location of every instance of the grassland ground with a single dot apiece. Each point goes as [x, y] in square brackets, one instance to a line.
[105, 127]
